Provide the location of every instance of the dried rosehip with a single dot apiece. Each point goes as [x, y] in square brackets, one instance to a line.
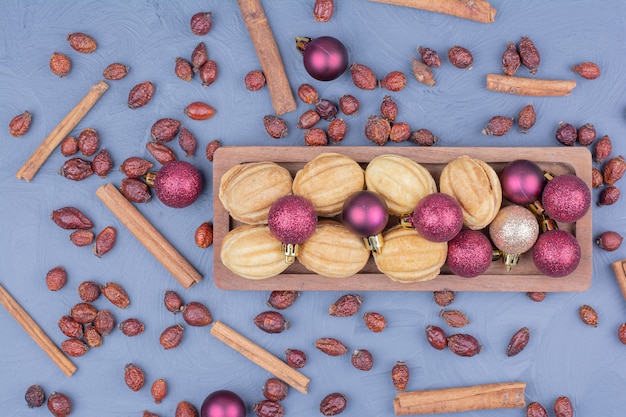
[74, 347]
[563, 407]
[609, 196]
[536, 296]
[115, 294]
[171, 336]
[586, 134]
[518, 342]
[614, 170]
[92, 337]
[331, 346]
[131, 327]
[621, 333]
[609, 241]
[271, 322]
[603, 149]
[104, 322]
[82, 42]
[511, 60]
[498, 126]
[197, 314]
[588, 315]
[162, 153]
[349, 104]
[460, 57]
[134, 377]
[275, 126]
[19, 125]
[208, 73]
[82, 237]
[83, 313]
[281, 300]
[115, 71]
[374, 321]
[400, 132]
[199, 56]
[71, 218]
[362, 360]
[135, 167]
[60, 64]
[105, 241]
[394, 81]
[56, 278]
[173, 302]
[423, 137]
[587, 70]
[295, 358]
[211, 147]
[69, 146]
[275, 390]
[88, 141]
[267, 408]
[308, 94]
[333, 404]
[529, 54]
[140, 95]
[88, 291]
[326, 109]
[377, 129]
[70, 327]
[204, 235]
[566, 134]
[165, 130]
[454, 318]
[102, 163]
[400, 376]
[345, 306]
[464, 344]
[389, 109]
[308, 119]
[158, 390]
[597, 180]
[183, 69]
[422, 72]
[535, 409]
[526, 118]
[76, 169]
[436, 337]
[443, 298]
[337, 130]
[429, 56]
[254, 80]
[323, 10]
[363, 77]
[199, 111]
[201, 23]
[315, 137]
[59, 404]
[34, 396]
[135, 190]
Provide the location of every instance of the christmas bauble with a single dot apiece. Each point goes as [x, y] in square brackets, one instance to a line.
[566, 198]
[365, 213]
[178, 184]
[325, 58]
[522, 181]
[556, 253]
[292, 219]
[469, 253]
[514, 231]
[437, 217]
[223, 403]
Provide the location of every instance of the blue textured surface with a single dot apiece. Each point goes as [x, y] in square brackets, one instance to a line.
[564, 356]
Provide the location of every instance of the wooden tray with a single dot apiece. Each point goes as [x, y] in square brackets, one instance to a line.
[522, 277]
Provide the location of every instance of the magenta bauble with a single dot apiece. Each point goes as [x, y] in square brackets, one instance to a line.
[437, 217]
[178, 184]
[556, 253]
[522, 181]
[365, 213]
[223, 403]
[325, 58]
[292, 219]
[469, 254]
[566, 198]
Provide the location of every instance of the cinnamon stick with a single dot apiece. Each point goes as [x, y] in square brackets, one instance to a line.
[65, 126]
[529, 86]
[620, 275]
[148, 235]
[451, 400]
[38, 335]
[260, 356]
[477, 10]
[269, 55]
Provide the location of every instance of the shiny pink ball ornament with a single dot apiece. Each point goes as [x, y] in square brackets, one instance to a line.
[178, 184]
[223, 403]
[437, 217]
[566, 198]
[469, 254]
[522, 181]
[325, 58]
[556, 253]
[365, 214]
[292, 220]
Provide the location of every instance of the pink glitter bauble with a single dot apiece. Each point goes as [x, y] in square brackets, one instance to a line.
[178, 184]
[556, 253]
[566, 198]
[292, 219]
[437, 217]
[522, 181]
[365, 213]
[469, 253]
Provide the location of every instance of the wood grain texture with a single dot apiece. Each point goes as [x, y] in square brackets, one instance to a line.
[522, 277]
